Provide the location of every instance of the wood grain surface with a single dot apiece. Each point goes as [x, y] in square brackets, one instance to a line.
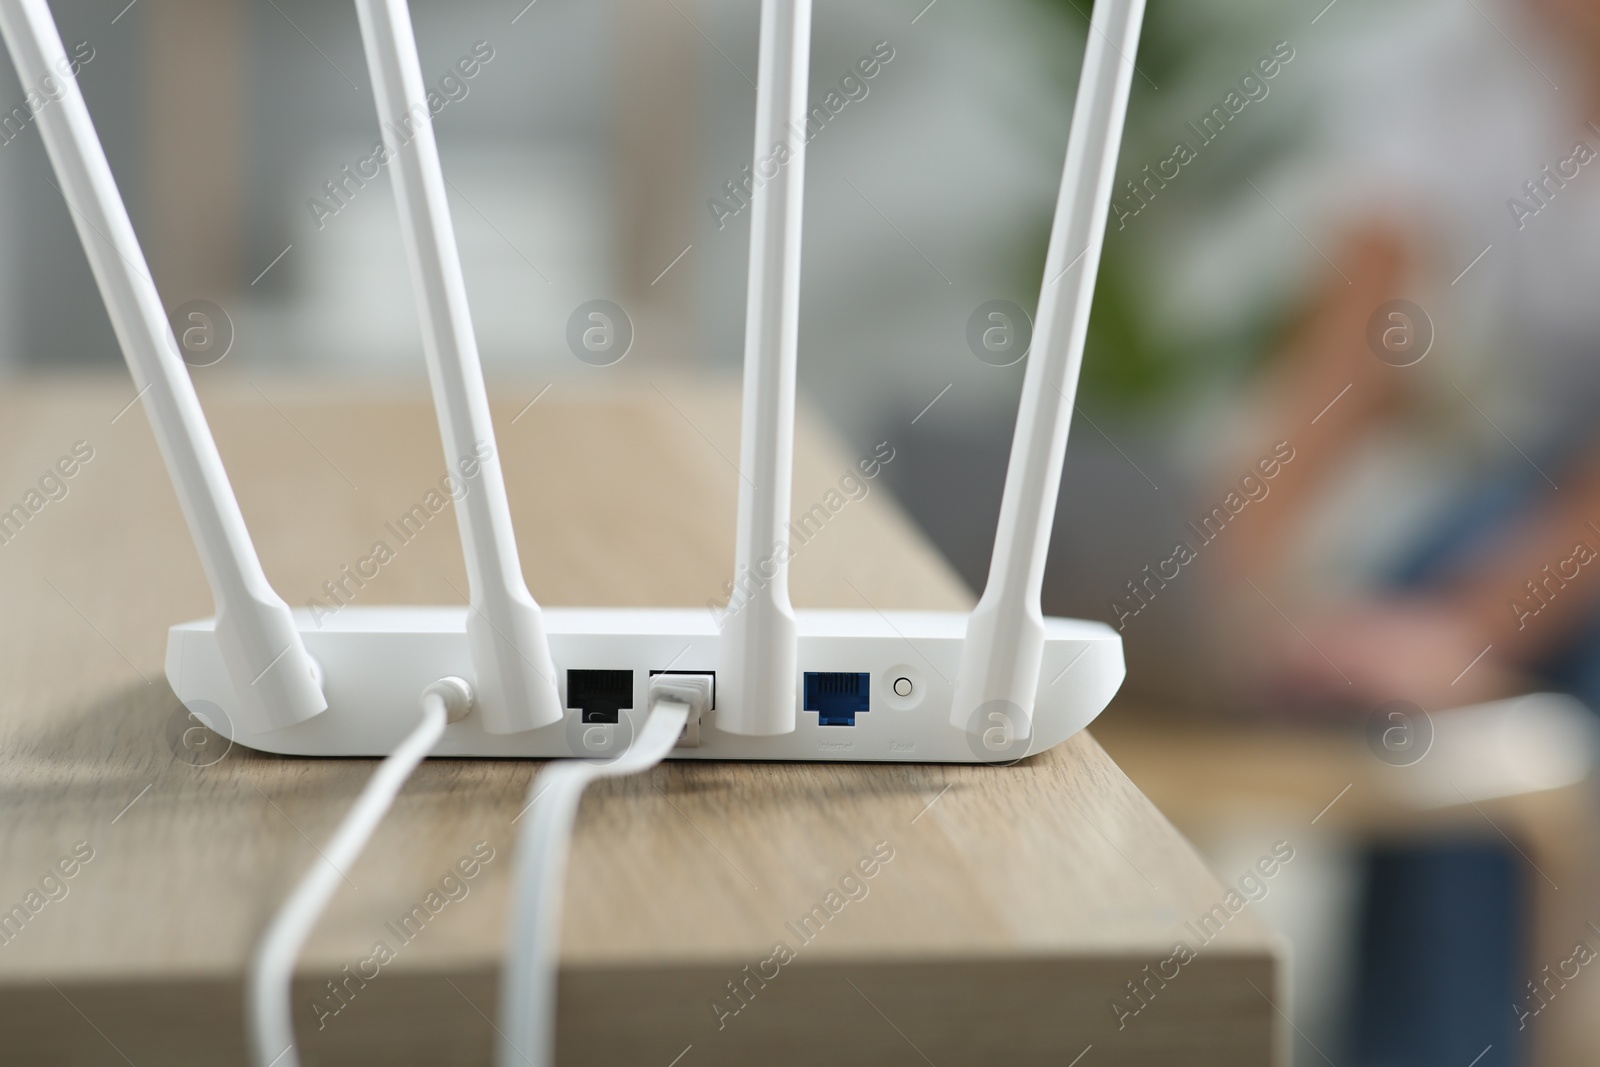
[1007, 911]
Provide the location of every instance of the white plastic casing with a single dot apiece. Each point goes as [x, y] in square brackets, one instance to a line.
[377, 659]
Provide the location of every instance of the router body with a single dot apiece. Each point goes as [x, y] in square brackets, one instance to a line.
[872, 687]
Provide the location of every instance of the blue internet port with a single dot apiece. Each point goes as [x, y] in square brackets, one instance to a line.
[836, 696]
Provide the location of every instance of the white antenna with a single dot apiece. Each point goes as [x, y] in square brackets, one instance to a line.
[759, 659]
[275, 680]
[1000, 659]
[516, 678]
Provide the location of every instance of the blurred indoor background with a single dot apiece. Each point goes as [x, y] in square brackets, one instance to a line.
[590, 155]
[584, 158]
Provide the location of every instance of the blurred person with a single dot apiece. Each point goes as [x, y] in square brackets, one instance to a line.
[1463, 176]
[1456, 154]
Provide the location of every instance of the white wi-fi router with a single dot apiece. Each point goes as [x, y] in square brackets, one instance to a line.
[995, 685]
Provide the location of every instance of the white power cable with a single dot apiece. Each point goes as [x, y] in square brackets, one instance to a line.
[528, 986]
[268, 1013]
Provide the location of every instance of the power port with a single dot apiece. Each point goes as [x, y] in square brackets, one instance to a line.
[600, 695]
[836, 696]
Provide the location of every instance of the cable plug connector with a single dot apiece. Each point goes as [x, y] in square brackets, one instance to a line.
[456, 693]
[693, 691]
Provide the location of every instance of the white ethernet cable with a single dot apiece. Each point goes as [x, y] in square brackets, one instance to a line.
[267, 1009]
[528, 987]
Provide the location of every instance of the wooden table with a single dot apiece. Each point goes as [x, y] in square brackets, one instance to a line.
[1016, 906]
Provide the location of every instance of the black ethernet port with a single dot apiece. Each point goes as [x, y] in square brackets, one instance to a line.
[836, 696]
[600, 695]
